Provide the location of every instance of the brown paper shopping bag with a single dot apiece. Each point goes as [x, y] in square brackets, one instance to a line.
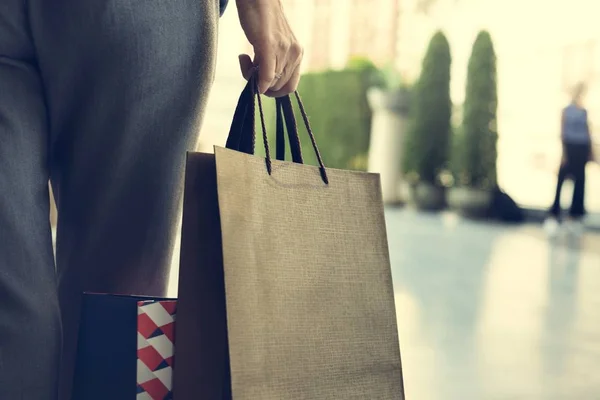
[285, 288]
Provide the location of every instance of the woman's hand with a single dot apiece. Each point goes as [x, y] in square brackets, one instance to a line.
[277, 52]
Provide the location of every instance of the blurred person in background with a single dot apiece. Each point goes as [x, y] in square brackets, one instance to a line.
[576, 152]
[102, 98]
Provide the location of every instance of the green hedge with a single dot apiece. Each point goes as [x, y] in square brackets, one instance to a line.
[339, 115]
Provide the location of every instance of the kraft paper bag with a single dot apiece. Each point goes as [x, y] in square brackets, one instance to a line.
[285, 287]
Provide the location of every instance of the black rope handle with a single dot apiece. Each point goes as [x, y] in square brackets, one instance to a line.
[262, 124]
[244, 116]
[285, 115]
[279, 132]
[312, 137]
[243, 113]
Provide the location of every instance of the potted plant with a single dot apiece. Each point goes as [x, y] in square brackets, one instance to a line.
[474, 148]
[426, 148]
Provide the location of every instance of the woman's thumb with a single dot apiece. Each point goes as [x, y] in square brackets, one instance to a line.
[246, 65]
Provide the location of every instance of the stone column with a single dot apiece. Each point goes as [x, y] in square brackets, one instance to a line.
[387, 135]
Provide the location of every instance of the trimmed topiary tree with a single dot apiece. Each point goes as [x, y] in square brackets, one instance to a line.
[475, 154]
[474, 151]
[426, 148]
[427, 141]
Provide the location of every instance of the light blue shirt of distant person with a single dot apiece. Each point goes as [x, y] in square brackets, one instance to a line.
[575, 128]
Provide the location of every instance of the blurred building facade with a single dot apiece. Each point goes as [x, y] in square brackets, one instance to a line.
[331, 31]
[335, 30]
[543, 48]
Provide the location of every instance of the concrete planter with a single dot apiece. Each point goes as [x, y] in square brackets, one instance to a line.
[472, 203]
[428, 197]
[387, 134]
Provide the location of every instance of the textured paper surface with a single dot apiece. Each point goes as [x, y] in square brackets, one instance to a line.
[309, 296]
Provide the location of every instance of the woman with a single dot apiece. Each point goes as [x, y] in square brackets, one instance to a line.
[576, 152]
[104, 98]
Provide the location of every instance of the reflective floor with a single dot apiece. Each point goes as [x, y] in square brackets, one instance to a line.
[495, 312]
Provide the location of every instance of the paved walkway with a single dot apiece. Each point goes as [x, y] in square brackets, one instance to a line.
[493, 312]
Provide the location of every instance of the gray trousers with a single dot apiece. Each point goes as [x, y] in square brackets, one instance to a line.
[103, 98]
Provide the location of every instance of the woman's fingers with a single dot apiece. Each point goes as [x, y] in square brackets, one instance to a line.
[277, 52]
[289, 72]
[266, 60]
[289, 87]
